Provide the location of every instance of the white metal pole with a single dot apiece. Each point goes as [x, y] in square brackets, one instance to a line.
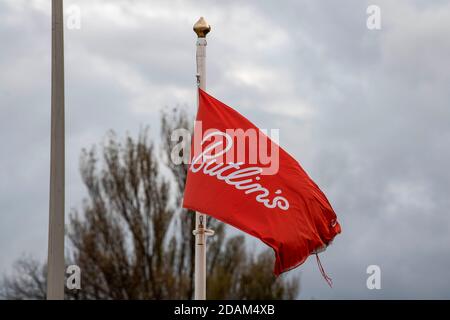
[55, 263]
[201, 28]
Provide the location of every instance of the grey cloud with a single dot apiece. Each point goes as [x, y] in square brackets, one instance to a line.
[365, 112]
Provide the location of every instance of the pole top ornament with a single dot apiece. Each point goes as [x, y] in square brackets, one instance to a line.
[202, 28]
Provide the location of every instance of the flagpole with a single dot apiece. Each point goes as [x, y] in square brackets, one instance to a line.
[201, 28]
[55, 263]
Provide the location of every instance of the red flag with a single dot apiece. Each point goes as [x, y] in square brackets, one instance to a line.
[241, 177]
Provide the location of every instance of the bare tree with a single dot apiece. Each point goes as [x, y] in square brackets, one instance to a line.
[28, 282]
[132, 239]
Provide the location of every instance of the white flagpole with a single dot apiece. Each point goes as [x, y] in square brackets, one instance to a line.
[55, 263]
[201, 28]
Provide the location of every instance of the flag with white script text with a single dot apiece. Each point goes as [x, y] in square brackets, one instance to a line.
[238, 175]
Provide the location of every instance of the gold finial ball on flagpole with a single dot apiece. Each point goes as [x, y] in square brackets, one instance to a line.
[202, 28]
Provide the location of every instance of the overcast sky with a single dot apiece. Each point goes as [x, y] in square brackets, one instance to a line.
[366, 112]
